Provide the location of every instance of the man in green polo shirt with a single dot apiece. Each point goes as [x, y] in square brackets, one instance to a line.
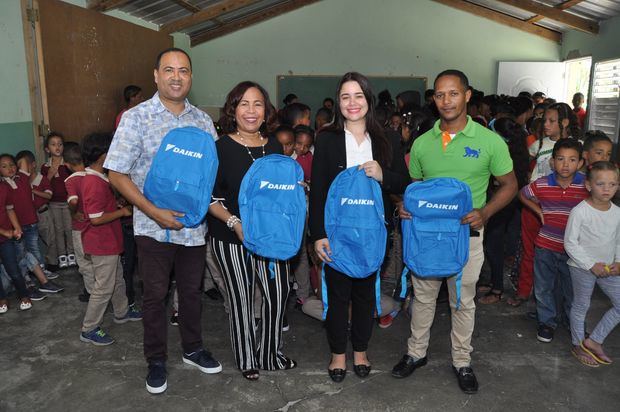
[460, 148]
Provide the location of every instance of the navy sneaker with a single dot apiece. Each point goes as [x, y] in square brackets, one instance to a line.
[156, 381]
[50, 287]
[545, 333]
[203, 360]
[36, 295]
[97, 337]
[132, 315]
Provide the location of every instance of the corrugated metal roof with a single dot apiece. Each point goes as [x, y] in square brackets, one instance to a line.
[161, 12]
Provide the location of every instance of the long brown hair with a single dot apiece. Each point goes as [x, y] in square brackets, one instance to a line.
[228, 122]
[374, 129]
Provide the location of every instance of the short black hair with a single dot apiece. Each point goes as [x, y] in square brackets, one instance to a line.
[284, 128]
[328, 99]
[301, 129]
[538, 94]
[72, 153]
[131, 91]
[171, 50]
[594, 136]
[51, 135]
[94, 145]
[294, 112]
[25, 154]
[429, 93]
[289, 98]
[568, 143]
[10, 156]
[453, 72]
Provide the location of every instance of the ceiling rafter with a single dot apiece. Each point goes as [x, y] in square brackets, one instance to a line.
[552, 13]
[208, 13]
[250, 20]
[503, 19]
[187, 5]
[106, 5]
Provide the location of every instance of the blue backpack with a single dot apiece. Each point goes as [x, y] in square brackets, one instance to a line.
[355, 227]
[182, 174]
[435, 243]
[272, 205]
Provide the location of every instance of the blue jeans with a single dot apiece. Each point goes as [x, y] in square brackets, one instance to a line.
[8, 254]
[29, 242]
[553, 288]
[583, 285]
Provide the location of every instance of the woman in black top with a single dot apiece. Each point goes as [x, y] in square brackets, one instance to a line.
[354, 139]
[248, 116]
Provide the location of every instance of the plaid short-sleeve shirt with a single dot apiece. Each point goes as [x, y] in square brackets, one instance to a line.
[135, 144]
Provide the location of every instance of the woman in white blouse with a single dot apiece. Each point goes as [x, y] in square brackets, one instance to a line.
[354, 139]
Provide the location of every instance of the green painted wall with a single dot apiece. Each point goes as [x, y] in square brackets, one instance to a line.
[605, 45]
[375, 37]
[15, 137]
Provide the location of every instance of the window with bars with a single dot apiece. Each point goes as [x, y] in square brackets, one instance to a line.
[604, 108]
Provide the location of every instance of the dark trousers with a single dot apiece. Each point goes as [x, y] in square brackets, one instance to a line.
[128, 259]
[8, 254]
[342, 289]
[495, 237]
[155, 263]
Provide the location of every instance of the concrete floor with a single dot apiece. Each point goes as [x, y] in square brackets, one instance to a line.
[44, 366]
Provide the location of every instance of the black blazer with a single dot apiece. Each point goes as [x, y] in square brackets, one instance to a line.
[330, 158]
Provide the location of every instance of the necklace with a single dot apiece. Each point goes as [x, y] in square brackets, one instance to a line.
[248, 149]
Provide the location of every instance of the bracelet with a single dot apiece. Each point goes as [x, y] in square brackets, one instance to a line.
[232, 221]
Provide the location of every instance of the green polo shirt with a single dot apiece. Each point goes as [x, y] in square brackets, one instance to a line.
[473, 155]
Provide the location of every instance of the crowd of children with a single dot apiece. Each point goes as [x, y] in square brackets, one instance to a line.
[561, 234]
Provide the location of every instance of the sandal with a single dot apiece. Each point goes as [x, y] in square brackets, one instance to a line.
[583, 357]
[491, 297]
[599, 357]
[516, 301]
[290, 364]
[250, 374]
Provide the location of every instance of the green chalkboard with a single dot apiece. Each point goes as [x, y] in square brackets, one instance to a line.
[311, 90]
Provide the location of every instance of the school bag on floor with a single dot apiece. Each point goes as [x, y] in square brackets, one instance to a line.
[272, 205]
[182, 174]
[355, 227]
[435, 243]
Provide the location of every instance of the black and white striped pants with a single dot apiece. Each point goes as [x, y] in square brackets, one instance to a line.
[240, 269]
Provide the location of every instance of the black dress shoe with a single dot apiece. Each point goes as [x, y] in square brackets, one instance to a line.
[467, 380]
[407, 365]
[337, 374]
[362, 370]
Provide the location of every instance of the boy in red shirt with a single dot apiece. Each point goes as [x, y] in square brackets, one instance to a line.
[60, 249]
[552, 198]
[102, 240]
[20, 197]
[72, 155]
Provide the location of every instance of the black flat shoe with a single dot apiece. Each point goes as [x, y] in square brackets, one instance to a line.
[251, 374]
[467, 380]
[362, 370]
[407, 365]
[337, 375]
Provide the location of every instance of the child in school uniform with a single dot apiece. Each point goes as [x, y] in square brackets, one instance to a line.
[60, 251]
[72, 156]
[102, 240]
[592, 240]
[41, 195]
[27, 246]
[551, 198]
[304, 139]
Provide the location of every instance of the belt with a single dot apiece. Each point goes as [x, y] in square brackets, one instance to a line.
[43, 208]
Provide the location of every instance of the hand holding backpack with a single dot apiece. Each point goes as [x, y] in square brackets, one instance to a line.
[435, 243]
[355, 227]
[182, 174]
